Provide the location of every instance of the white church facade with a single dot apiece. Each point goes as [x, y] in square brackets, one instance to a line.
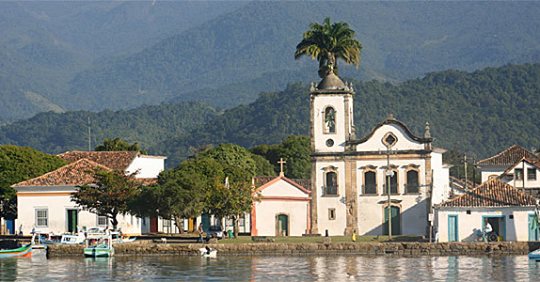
[350, 176]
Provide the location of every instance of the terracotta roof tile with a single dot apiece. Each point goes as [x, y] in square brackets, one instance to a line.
[116, 160]
[80, 172]
[261, 180]
[492, 193]
[509, 157]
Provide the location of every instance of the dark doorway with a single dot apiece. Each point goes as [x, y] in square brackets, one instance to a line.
[396, 224]
[72, 220]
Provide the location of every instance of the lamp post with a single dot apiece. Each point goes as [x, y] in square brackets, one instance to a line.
[388, 190]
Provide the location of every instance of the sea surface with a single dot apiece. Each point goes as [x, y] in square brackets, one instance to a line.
[271, 268]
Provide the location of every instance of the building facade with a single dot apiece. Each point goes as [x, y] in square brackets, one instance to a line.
[282, 208]
[44, 203]
[351, 177]
[511, 213]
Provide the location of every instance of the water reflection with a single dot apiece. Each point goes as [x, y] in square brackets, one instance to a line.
[264, 268]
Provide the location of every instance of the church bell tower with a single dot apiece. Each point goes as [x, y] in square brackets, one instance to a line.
[331, 114]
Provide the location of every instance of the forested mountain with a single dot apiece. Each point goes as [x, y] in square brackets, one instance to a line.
[479, 113]
[114, 55]
[44, 44]
[401, 40]
[147, 125]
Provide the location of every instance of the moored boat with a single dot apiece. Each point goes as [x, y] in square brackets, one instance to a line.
[24, 251]
[535, 255]
[102, 248]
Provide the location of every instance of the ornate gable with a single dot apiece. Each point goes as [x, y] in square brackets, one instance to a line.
[391, 133]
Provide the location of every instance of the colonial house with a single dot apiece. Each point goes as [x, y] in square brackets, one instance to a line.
[44, 203]
[515, 166]
[511, 213]
[283, 207]
[352, 178]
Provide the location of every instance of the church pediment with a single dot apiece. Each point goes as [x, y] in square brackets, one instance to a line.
[392, 134]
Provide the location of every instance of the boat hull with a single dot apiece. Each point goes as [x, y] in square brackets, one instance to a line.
[98, 252]
[24, 251]
[535, 255]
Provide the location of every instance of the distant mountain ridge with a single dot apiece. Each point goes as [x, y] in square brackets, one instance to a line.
[401, 40]
[479, 113]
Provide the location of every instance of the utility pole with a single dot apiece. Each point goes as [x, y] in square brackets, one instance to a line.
[465, 163]
[89, 136]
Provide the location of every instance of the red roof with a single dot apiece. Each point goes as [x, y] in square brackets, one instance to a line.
[510, 156]
[116, 160]
[80, 172]
[262, 182]
[492, 193]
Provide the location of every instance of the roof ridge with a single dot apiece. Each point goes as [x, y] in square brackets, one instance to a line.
[19, 184]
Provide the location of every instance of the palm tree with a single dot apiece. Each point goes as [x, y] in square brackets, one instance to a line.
[328, 42]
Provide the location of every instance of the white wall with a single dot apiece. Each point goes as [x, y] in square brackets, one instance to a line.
[441, 176]
[267, 211]
[404, 142]
[336, 226]
[517, 229]
[146, 166]
[320, 103]
[57, 206]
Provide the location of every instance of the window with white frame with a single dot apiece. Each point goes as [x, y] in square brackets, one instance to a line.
[42, 217]
[102, 220]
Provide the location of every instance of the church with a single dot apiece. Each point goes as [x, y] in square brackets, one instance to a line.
[356, 183]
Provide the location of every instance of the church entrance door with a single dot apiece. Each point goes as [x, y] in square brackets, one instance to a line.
[282, 222]
[396, 224]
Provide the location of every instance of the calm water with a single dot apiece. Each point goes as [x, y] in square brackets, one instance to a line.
[266, 268]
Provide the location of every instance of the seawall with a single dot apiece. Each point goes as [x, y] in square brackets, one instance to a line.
[270, 248]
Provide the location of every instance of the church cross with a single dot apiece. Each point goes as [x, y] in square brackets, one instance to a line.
[281, 162]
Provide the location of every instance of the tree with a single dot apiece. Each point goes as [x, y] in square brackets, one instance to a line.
[295, 150]
[109, 196]
[18, 164]
[232, 200]
[118, 144]
[328, 42]
[180, 193]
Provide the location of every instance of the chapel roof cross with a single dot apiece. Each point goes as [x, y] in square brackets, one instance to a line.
[281, 162]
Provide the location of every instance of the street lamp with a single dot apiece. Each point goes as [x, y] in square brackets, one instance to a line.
[389, 175]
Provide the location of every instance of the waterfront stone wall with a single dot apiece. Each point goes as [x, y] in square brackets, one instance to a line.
[271, 248]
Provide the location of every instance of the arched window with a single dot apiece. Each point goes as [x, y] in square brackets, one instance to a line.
[412, 185]
[370, 183]
[330, 187]
[330, 120]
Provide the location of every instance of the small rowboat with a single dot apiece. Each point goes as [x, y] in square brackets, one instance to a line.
[24, 251]
[99, 251]
[208, 252]
[535, 255]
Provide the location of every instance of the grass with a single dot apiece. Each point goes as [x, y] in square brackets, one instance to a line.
[319, 239]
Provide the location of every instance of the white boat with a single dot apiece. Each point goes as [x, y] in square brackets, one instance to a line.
[535, 255]
[72, 239]
[40, 239]
[117, 237]
[208, 252]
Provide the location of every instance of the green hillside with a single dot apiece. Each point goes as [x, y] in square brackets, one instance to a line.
[44, 44]
[55, 133]
[479, 113]
[254, 44]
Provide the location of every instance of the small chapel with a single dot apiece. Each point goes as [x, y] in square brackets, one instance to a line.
[383, 183]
